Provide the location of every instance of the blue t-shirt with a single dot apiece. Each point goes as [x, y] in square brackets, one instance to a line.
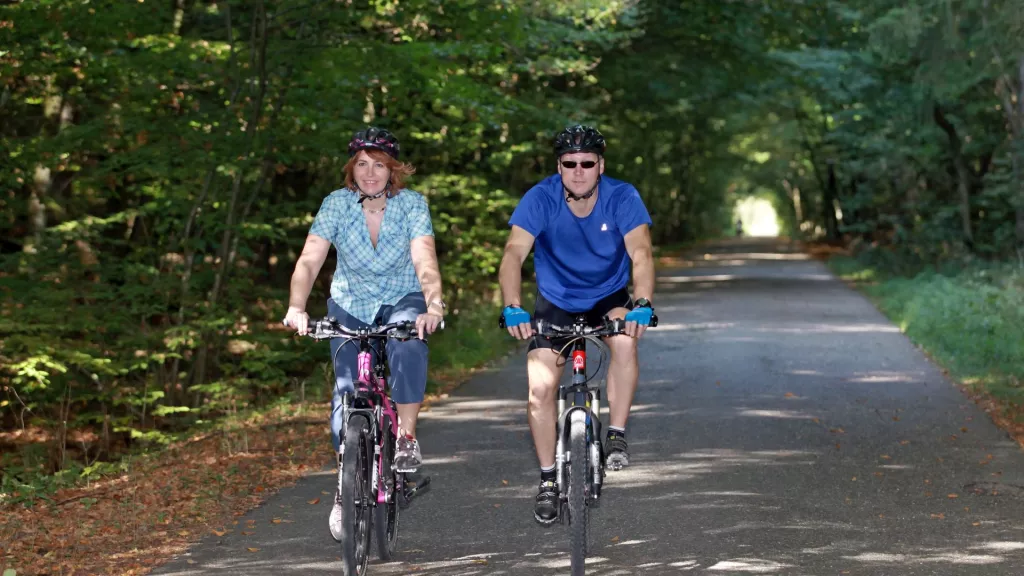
[579, 261]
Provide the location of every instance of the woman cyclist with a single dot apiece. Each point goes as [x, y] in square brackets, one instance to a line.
[387, 271]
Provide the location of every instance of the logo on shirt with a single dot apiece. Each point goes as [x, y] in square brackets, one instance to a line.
[604, 227]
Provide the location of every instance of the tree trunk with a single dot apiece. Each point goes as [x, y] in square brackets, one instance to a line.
[179, 16]
[963, 174]
[828, 206]
[1018, 155]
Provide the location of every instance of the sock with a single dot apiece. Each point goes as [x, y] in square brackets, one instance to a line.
[547, 474]
[616, 431]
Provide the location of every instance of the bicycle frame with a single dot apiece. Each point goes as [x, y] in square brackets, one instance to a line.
[373, 384]
[583, 397]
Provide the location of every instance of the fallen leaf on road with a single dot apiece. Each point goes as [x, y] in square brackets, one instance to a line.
[259, 488]
[895, 418]
[505, 482]
[904, 442]
[244, 533]
[219, 532]
[940, 516]
[276, 520]
[497, 505]
[952, 496]
[837, 445]
[879, 474]
[885, 457]
[952, 436]
[964, 430]
[854, 479]
[790, 395]
[480, 561]
[975, 523]
[837, 430]
[615, 539]
[183, 533]
[313, 501]
[253, 549]
[927, 481]
[815, 420]
[928, 494]
[190, 561]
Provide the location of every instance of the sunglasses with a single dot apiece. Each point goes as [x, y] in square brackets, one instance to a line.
[586, 164]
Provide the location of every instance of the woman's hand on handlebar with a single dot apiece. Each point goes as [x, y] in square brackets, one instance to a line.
[297, 319]
[427, 323]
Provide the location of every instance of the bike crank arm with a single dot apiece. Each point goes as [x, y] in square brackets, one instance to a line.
[415, 488]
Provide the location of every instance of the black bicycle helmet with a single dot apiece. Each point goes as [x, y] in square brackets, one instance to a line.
[374, 139]
[579, 138]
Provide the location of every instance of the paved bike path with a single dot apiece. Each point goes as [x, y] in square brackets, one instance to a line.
[782, 426]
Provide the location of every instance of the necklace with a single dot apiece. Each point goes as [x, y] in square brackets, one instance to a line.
[368, 211]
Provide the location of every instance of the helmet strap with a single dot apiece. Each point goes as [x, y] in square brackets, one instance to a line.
[570, 196]
[362, 196]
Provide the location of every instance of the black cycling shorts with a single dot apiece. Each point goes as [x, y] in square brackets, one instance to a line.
[549, 313]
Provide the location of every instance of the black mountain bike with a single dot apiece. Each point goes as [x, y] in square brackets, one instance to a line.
[372, 490]
[579, 454]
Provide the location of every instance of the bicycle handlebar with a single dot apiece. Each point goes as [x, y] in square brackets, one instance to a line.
[329, 327]
[610, 327]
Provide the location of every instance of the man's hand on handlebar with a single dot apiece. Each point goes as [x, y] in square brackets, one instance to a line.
[517, 322]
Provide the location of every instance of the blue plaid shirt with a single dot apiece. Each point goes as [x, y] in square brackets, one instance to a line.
[367, 278]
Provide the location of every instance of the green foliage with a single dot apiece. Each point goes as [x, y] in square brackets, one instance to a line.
[163, 164]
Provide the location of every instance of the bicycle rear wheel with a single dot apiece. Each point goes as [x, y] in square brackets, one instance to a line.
[385, 519]
[355, 498]
[579, 459]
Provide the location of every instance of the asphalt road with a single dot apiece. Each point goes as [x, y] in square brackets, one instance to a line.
[782, 426]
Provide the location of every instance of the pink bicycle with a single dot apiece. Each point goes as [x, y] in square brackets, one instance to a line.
[372, 490]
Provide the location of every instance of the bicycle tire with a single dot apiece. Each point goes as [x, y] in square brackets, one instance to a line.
[579, 459]
[355, 499]
[385, 519]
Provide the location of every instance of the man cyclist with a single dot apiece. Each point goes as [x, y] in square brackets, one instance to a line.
[587, 230]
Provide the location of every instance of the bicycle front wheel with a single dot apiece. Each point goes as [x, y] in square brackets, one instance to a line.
[355, 498]
[386, 514]
[579, 459]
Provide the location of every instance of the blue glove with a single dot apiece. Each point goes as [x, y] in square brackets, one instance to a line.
[641, 315]
[515, 316]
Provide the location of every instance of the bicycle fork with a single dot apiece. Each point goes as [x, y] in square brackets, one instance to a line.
[586, 399]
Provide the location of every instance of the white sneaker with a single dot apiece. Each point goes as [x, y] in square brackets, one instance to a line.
[334, 522]
[407, 455]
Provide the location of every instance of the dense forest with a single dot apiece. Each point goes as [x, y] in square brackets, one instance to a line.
[162, 161]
